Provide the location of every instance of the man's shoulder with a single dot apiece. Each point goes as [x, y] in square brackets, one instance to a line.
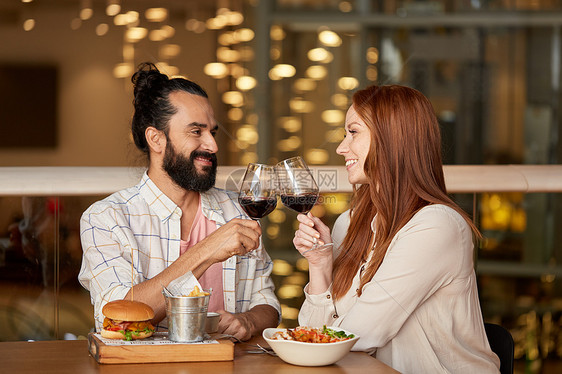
[120, 200]
[224, 202]
[222, 195]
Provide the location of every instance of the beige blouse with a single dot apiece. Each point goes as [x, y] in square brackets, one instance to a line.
[420, 313]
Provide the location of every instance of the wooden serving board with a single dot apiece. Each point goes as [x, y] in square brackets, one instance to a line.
[150, 351]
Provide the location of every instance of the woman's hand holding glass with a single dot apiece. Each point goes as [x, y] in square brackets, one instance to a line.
[313, 239]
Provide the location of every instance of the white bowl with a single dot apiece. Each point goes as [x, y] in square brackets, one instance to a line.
[309, 354]
[212, 322]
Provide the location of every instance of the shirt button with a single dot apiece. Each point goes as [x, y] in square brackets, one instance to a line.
[335, 316]
[328, 296]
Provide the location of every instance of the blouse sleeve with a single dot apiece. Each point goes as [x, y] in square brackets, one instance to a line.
[424, 256]
[318, 310]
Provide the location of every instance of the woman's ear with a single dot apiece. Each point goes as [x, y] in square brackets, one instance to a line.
[155, 139]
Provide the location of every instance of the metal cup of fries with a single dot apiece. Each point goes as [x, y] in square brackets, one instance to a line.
[187, 315]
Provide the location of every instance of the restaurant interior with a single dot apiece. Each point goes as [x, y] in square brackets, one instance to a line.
[280, 75]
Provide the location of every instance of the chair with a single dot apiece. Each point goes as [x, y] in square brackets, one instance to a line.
[502, 344]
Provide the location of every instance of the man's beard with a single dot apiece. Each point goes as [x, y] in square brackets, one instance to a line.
[183, 172]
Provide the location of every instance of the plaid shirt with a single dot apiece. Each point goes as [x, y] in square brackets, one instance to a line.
[134, 234]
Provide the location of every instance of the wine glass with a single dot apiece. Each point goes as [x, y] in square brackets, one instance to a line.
[258, 193]
[298, 189]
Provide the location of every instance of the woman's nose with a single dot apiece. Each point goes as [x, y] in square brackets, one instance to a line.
[342, 148]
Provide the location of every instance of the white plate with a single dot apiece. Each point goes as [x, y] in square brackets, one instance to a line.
[309, 354]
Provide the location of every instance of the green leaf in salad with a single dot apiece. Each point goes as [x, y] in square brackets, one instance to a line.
[336, 334]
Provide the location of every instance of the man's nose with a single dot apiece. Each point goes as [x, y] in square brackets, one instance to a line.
[210, 144]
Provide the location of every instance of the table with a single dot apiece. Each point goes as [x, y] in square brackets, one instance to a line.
[65, 356]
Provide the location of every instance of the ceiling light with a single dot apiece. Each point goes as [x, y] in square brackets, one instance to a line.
[246, 83]
[123, 70]
[276, 33]
[285, 70]
[305, 84]
[28, 24]
[329, 38]
[317, 156]
[169, 51]
[319, 54]
[290, 123]
[299, 105]
[244, 35]
[333, 116]
[290, 144]
[113, 7]
[234, 98]
[75, 23]
[102, 29]
[348, 83]
[86, 10]
[156, 35]
[339, 100]
[226, 38]
[234, 18]
[316, 72]
[226, 54]
[135, 34]
[372, 55]
[235, 114]
[156, 14]
[247, 134]
[120, 20]
[246, 53]
[216, 70]
[168, 31]
[237, 70]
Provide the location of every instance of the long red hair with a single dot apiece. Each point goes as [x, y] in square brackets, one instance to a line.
[405, 174]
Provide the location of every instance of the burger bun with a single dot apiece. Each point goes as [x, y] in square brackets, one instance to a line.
[127, 310]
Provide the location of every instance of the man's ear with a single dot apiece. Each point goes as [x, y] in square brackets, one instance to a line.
[155, 139]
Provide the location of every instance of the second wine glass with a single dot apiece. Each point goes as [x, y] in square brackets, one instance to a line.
[298, 189]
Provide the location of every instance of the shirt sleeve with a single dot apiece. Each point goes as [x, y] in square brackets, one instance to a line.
[425, 255]
[106, 269]
[263, 289]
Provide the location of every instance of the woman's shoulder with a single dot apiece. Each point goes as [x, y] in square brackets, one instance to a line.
[342, 220]
[340, 228]
[439, 217]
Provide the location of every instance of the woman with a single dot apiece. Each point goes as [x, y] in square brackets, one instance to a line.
[401, 275]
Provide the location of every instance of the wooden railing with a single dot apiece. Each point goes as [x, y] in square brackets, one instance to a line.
[470, 179]
[72, 181]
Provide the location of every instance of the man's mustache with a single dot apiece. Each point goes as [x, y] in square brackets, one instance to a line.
[210, 156]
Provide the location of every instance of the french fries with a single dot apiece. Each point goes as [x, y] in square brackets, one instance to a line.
[197, 292]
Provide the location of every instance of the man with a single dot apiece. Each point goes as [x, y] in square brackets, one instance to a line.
[142, 238]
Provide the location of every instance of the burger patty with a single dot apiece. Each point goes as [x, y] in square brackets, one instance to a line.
[112, 325]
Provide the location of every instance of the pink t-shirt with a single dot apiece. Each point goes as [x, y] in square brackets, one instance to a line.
[212, 277]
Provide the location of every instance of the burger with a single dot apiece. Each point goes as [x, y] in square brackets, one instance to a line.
[127, 320]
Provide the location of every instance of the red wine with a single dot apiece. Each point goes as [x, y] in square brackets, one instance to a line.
[301, 203]
[258, 208]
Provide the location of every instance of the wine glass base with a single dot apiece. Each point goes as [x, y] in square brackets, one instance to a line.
[316, 247]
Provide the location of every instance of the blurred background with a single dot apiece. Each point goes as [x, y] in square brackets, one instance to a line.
[280, 75]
